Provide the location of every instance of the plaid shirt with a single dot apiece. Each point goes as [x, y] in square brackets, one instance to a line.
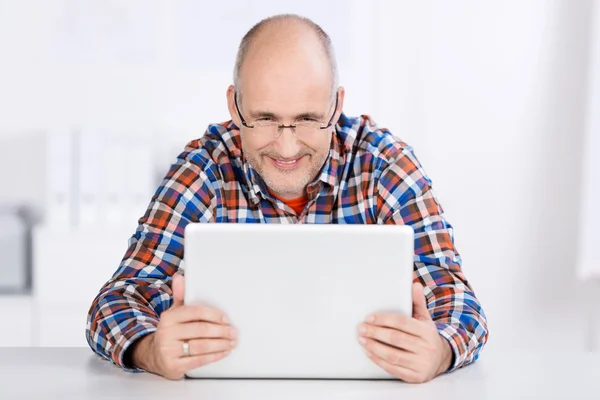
[369, 177]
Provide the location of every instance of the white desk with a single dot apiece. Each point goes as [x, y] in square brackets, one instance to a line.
[65, 373]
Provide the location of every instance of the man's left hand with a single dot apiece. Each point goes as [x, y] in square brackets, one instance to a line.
[409, 348]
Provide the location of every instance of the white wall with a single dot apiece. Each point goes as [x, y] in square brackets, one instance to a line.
[492, 97]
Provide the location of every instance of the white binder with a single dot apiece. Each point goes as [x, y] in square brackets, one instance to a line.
[60, 178]
[589, 234]
[114, 174]
[89, 190]
[139, 172]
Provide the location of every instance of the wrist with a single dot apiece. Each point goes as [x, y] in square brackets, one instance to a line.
[447, 356]
[141, 353]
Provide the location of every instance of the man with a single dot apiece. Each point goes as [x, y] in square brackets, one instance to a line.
[288, 155]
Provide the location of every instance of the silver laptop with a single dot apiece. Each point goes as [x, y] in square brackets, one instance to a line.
[297, 293]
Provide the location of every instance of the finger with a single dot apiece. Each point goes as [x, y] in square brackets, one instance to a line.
[399, 372]
[193, 362]
[399, 322]
[391, 337]
[420, 310]
[209, 346]
[198, 330]
[390, 354]
[189, 313]
[178, 290]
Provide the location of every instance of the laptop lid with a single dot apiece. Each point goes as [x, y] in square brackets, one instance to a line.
[297, 293]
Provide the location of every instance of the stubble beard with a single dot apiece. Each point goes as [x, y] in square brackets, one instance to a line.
[280, 184]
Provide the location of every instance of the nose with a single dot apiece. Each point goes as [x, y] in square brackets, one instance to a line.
[287, 143]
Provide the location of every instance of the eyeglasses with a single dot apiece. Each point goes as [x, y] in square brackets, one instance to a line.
[269, 128]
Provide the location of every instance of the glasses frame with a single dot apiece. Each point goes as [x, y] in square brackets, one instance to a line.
[281, 127]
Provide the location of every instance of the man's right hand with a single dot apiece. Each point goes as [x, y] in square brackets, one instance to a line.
[206, 329]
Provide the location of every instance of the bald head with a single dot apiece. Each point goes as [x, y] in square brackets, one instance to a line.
[285, 39]
[287, 73]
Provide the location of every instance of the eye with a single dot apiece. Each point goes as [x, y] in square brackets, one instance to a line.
[307, 120]
[264, 119]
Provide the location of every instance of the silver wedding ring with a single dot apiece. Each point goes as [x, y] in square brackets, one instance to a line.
[186, 349]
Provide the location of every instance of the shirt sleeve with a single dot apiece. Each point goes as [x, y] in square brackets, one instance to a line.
[130, 303]
[405, 196]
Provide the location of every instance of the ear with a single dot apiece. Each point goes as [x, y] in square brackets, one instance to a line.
[341, 94]
[231, 106]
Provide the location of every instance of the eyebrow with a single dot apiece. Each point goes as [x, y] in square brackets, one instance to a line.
[268, 114]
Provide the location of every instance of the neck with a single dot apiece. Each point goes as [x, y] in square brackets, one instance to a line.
[288, 196]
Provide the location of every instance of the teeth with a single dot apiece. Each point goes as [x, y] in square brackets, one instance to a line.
[287, 162]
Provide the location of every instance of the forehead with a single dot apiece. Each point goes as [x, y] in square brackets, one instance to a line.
[286, 80]
[313, 101]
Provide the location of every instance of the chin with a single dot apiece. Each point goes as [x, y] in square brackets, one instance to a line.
[285, 183]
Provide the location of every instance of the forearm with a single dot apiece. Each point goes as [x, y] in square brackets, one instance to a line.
[459, 318]
[450, 300]
[120, 315]
[129, 305]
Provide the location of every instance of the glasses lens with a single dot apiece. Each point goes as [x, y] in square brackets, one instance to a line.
[265, 131]
[303, 131]
[307, 131]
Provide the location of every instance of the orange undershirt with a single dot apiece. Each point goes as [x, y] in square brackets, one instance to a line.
[297, 204]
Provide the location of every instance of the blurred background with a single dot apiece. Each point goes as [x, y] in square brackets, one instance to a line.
[500, 100]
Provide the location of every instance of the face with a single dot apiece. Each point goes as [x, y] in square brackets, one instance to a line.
[285, 90]
[287, 163]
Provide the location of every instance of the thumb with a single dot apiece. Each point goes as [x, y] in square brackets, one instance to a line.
[420, 311]
[178, 290]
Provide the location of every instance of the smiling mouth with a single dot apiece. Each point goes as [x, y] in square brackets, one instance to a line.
[286, 164]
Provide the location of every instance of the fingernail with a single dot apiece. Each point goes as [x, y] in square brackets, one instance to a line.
[225, 319]
[233, 343]
[371, 319]
[227, 353]
[368, 353]
[362, 340]
[233, 333]
[362, 329]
